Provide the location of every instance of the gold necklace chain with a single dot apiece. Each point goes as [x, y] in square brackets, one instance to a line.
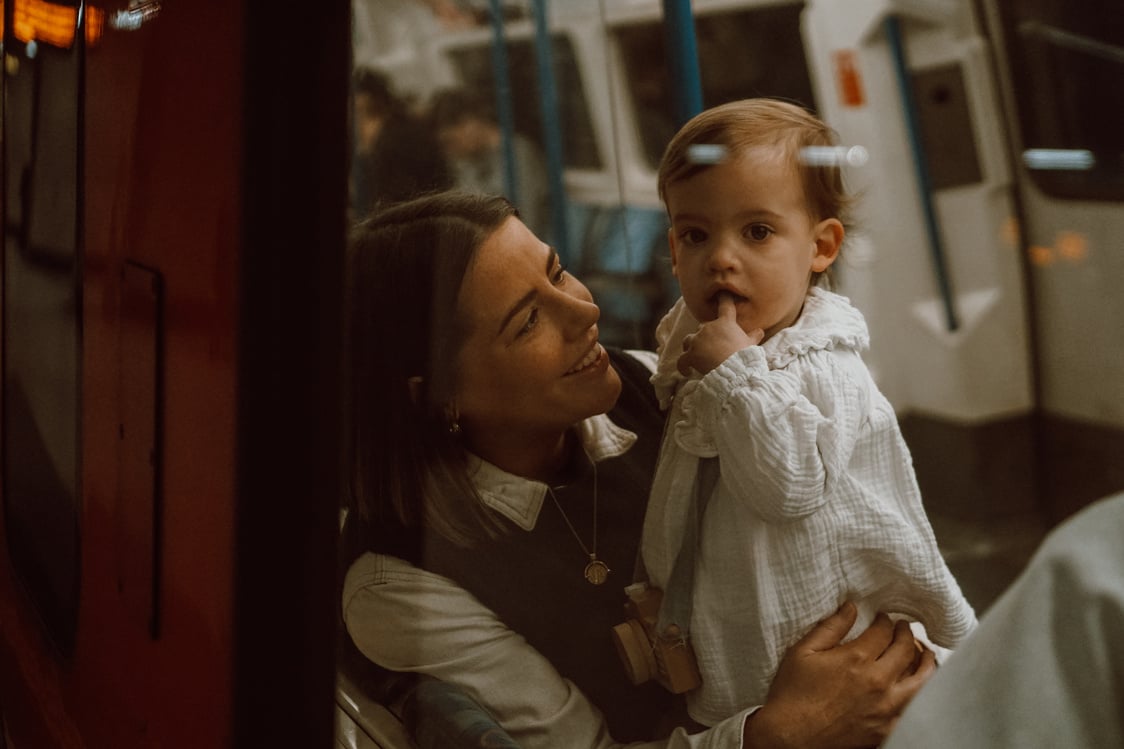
[596, 571]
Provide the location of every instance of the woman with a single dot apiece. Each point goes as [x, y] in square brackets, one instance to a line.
[502, 463]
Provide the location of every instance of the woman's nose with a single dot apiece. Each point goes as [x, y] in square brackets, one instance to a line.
[580, 314]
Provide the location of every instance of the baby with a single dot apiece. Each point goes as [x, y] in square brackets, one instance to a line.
[815, 501]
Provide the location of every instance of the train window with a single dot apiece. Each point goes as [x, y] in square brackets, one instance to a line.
[946, 126]
[579, 146]
[1067, 63]
[743, 53]
[41, 324]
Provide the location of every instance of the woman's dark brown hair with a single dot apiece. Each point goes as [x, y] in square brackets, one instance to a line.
[409, 468]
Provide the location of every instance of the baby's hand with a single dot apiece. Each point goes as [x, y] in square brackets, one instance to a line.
[717, 340]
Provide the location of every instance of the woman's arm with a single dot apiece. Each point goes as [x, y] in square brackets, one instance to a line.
[407, 619]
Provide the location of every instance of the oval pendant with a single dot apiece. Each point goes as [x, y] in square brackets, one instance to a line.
[596, 572]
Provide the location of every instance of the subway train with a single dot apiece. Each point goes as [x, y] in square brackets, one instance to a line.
[176, 188]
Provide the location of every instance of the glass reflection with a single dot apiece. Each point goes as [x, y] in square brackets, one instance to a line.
[42, 304]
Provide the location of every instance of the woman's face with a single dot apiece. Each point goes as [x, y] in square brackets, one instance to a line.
[530, 366]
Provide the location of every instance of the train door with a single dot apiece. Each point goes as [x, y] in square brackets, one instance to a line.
[173, 225]
[941, 281]
[1061, 68]
[992, 210]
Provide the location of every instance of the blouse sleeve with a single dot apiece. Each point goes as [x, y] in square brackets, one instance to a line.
[407, 619]
[784, 436]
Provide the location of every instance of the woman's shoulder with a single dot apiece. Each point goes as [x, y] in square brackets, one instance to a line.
[647, 359]
[372, 570]
[637, 408]
[636, 364]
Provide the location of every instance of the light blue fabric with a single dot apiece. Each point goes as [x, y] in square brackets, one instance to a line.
[441, 716]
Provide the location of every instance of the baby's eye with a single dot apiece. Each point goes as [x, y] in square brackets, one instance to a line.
[692, 236]
[758, 232]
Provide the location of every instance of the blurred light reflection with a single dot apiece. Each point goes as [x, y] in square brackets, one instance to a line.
[51, 23]
[834, 155]
[1059, 158]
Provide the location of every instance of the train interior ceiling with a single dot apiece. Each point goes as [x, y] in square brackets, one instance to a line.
[163, 207]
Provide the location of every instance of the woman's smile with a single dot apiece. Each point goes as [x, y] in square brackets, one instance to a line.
[595, 355]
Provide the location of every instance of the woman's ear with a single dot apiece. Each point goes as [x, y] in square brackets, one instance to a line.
[828, 237]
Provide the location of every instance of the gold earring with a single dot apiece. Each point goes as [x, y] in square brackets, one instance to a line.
[452, 416]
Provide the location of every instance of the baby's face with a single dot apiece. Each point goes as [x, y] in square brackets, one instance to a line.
[742, 227]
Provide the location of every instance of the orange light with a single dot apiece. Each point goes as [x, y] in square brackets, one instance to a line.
[1009, 232]
[95, 24]
[49, 23]
[1072, 245]
[1041, 256]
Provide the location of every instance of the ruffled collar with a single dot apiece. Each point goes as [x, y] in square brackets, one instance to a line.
[520, 499]
[827, 321]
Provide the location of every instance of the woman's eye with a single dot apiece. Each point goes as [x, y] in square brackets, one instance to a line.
[532, 321]
[558, 276]
[759, 232]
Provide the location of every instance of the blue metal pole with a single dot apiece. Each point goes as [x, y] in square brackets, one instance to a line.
[683, 59]
[892, 27]
[551, 129]
[504, 113]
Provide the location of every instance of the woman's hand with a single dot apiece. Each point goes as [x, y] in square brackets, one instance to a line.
[831, 695]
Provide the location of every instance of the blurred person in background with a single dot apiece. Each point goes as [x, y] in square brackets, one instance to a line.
[472, 141]
[396, 153]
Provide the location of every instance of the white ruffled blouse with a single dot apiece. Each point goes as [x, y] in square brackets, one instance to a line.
[816, 504]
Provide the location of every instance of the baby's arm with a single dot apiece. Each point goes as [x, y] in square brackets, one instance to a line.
[783, 436]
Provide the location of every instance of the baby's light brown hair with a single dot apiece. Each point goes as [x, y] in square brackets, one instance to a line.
[728, 130]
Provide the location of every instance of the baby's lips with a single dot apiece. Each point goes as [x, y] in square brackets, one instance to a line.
[720, 294]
